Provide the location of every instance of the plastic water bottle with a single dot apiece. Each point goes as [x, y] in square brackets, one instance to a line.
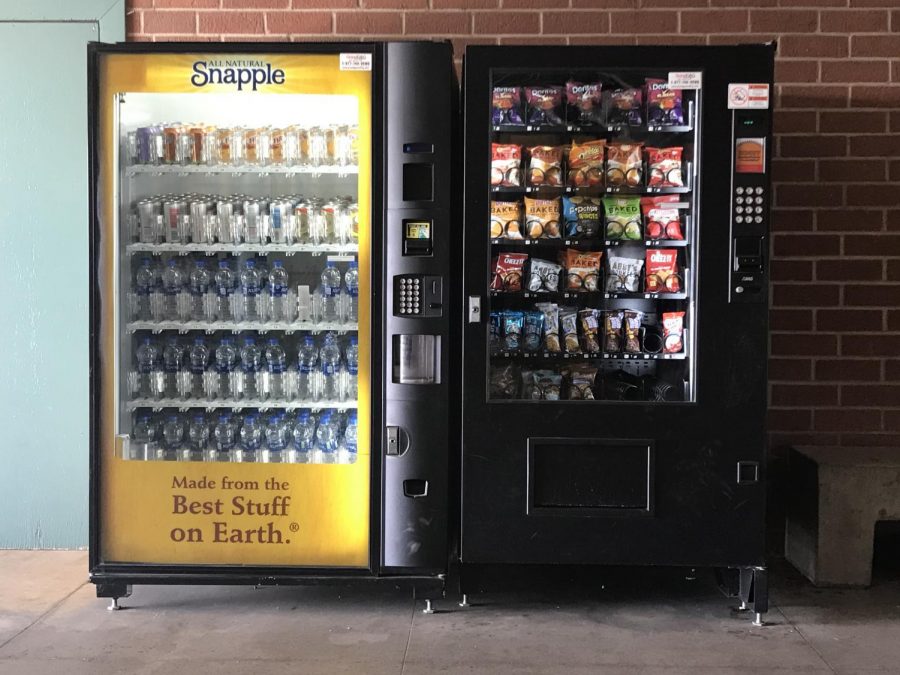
[351, 389]
[251, 365]
[144, 287]
[143, 439]
[307, 359]
[330, 367]
[347, 452]
[173, 360]
[276, 438]
[277, 287]
[173, 285]
[251, 440]
[150, 374]
[304, 436]
[225, 284]
[326, 439]
[197, 439]
[223, 439]
[173, 437]
[330, 294]
[351, 293]
[250, 287]
[200, 282]
[226, 363]
[276, 363]
[198, 360]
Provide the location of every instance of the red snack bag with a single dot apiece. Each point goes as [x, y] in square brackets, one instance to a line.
[508, 268]
[673, 332]
[506, 169]
[665, 167]
[661, 271]
[661, 221]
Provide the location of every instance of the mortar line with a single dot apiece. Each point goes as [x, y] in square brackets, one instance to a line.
[804, 638]
[412, 618]
[40, 617]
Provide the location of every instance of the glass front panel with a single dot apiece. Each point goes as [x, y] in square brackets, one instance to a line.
[593, 236]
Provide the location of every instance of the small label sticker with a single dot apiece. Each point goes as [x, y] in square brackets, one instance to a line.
[688, 79]
[356, 62]
[748, 96]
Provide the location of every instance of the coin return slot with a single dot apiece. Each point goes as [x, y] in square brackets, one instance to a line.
[415, 488]
[416, 359]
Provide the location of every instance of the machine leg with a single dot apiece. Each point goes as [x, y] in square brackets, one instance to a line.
[428, 608]
[754, 592]
[113, 591]
[464, 602]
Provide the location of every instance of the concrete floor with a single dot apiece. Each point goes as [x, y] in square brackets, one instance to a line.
[51, 622]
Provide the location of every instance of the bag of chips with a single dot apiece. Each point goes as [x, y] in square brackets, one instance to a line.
[631, 323]
[581, 378]
[532, 337]
[673, 332]
[513, 326]
[543, 276]
[624, 164]
[612, 331]
[544, 105]
[585, 103]
[530, 390]
[663, 103]
[624, 108]
[504, 382]
[624, 275]
[506, 106]
[586, 164]
[508, 269]
[582, 269]
[590, 328]
[568, 324]
[506, 165]
[623, 218]
[545, 165]
[662, 271]
[665, 167]
[542, 218]
[662, 221]
[551, 326]
[496, 330]
[506, 220]
[548, 383]
[582, 217]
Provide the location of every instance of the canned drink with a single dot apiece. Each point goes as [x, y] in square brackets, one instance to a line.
[237, 146]
[146, 141]
[343, 152]
[131, 149]
[171, 136]
[318, 150]
[353, 222]
[200, 221]
[148, 221]
[301, 221]
[174, 213]
[225, 217]
[252, 222]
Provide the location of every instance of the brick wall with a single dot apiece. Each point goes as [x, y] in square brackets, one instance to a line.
[835, 366]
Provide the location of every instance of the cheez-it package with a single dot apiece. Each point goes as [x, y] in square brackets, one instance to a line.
[661, 271]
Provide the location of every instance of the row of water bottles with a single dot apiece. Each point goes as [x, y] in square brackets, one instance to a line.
[278, 437]
[187, 289]
[201, 369]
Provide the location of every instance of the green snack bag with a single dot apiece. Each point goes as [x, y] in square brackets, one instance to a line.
[623, 218]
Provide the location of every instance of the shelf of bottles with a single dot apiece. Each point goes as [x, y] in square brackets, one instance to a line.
[592, 234]
[240, 332]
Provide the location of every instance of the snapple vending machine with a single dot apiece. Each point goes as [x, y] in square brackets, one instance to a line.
[616, 266]
[269, 258]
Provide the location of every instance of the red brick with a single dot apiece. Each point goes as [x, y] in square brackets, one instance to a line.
[893, 274]
[570, 22]
[882, 145]
[812, 146]
[795, 70]
[848, 370]
[834, 46]
[807, 194]
[845, 220]
[813, 96]
[795, 21]
[534, 4]
[806, 295]
[718, 21]
[133, 22]
[793, 170]
[792, 220]
[791, 270]
[507, 23]
[871, 439]
[848, 320]
[183, 4]
[740, 39]
[894, 169]
[870, 395]
[170, 22]
[794, 439]
[393, 4]
[856, 71]
[669, 39]
[363, 23]
[743, 3]
[437, 23]
[790, 319]
[815, 4]
[231, 22]
[852, 170]
[806, 245]
[846, 420]
[872, 295]
[862, 96]
[650, 21]
[850, 21]
[849, 270]
[874, 195]
[552, 40]
[851, 121]
[790, 370]
[676, 4]
[141, 4]
[256, 4]
[892, 369]
[891, 420]
[874, 45]
[895, 71]
[599, 40]
[299, 22]
[799, 344]
[804, 395]
[603, 4]
[790, 420]
[873, 3]
[325, 4]
[793, 121]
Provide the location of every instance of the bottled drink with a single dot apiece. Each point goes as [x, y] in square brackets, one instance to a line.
[277, 287]
[276, 433]
[200, 281]
[330, 294]
[173, 437]
[330, 367]
[226, 361]
[304, 436]
[150, 374]
[251, 440]
[143, 442]
[251, 364]
[250, 287]
[307, 359]
[351, 390]
[276, 362]
[351, 293]
[144, 287]
[224, 282]
[197, 439]
[198, 358]
[347, 453]
[173, 285]
[326, 439]
[173, 360]
[223, 439]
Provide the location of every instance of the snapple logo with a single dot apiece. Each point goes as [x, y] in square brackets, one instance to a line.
[240, 73]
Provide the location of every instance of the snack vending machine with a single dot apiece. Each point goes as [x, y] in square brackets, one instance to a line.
[616, 267]
[270, 235]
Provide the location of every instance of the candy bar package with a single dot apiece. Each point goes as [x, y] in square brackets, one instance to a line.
[506, 220]
[504, 381]
[496, 330]
[568, 324]
[631, 323]
[545, 105]
[665, 167]
[581, 378]
[542, 218]
[625, 107]
[624, 164]
[543, 276]
[530, 389]
[506, 165]
[661, 220]
[506, 106]
[508, 270]
[545, 165]
[612, 331]
[582, 269]
[586, 163]
[664, 106]
[532, 337]
[582, 217]
[585, 103]
[551, 326]
[513, 326]
[624, 274]
[662, 271]
[548, 383]
[590, 330]
[673, 332]
[623, 218]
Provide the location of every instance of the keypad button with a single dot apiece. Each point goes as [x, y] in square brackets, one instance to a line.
[738, 209]
[739, 200]
[759, 200]
[758, 209]
[739, 191]
[758, 219]
[759, 190]
[739, 219]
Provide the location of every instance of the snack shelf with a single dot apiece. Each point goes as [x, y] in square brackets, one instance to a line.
[590, 356]
[535, 129]
[237, 326]
[611, 189]
[187, 403]
[194, 169]
[589, 295]
[236, 249]
[645, 296]
[568, 243]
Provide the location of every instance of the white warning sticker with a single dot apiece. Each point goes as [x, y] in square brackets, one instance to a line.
[686, 79]
[354, 61]
[748, 96]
